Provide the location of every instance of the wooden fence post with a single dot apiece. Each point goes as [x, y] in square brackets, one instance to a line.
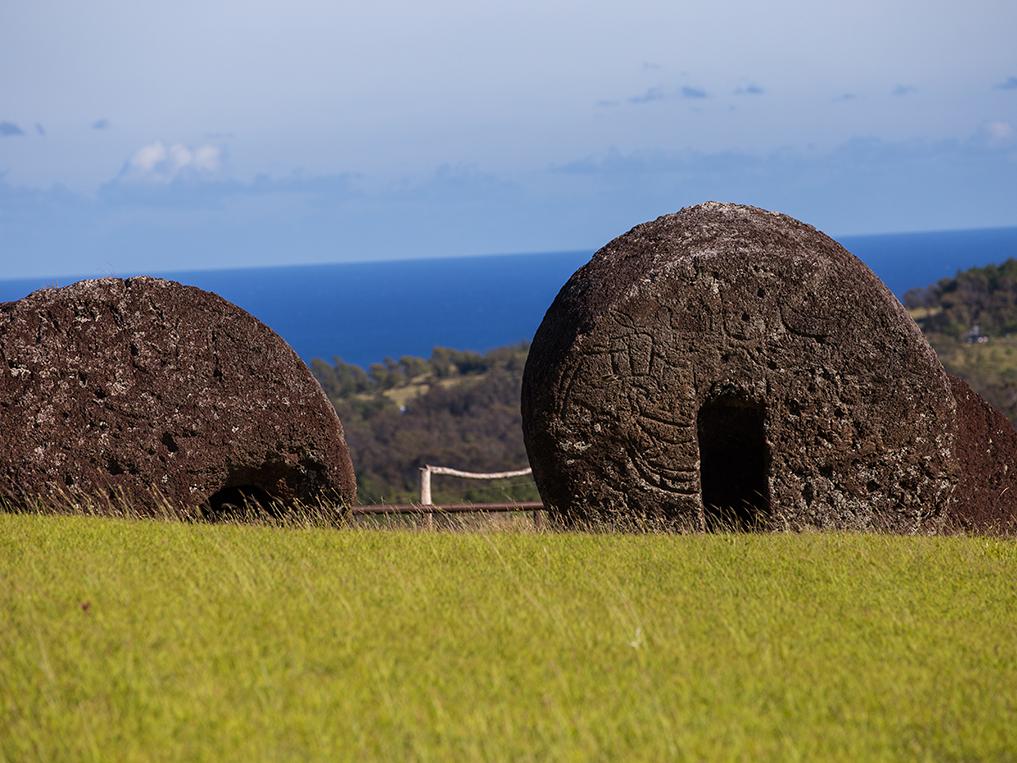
[425, 496]
[425, 485]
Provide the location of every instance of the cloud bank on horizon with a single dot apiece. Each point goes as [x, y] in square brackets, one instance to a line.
[244, 133]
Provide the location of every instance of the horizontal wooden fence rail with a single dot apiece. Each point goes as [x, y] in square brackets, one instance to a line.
[425, 483]
[447, 508]
[427, 508]
[427, 511]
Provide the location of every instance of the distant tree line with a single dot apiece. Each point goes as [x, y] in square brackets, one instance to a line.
[986, 297]
[341, 380]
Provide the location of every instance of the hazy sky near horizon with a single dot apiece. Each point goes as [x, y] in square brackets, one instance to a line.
[157, 136]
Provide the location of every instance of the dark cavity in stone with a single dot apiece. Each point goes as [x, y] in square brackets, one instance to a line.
[239, 498]
[734, 461]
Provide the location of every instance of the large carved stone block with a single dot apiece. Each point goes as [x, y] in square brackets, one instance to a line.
[144, 389]
[729, 366]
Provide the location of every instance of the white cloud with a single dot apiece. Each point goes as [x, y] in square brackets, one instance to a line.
[161, 163]
[149, 157]
[1000, 132]
[208, 158]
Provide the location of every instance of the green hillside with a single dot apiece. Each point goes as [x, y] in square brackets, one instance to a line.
[971, 321]
[984, 297]
[458, 409]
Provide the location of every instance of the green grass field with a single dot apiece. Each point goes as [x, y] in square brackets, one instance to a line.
[137, 640]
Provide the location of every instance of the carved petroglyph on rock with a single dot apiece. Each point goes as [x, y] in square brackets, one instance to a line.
[731, 363]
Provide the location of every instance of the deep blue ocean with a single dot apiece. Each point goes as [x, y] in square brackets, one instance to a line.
[363, 312]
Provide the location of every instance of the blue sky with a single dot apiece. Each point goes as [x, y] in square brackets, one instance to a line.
[157, 136]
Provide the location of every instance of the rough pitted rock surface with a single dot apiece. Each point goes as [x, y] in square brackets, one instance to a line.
[986, 495]
[114, 387]
[741, 355]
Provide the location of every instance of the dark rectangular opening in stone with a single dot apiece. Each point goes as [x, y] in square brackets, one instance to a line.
[733, 463]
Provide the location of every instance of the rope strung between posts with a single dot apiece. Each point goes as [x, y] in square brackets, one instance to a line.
[427, 471]
[425, 482]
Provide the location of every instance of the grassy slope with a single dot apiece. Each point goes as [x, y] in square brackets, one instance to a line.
[204, 642]
[403, 394]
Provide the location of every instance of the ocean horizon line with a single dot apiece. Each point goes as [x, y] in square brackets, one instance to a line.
[369, 310]
[160, 272]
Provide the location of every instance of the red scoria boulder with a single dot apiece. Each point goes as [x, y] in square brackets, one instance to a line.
[986, 496]
[145, 389]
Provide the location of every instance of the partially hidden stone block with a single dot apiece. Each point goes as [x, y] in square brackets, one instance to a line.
[727, 366]
[986, 496]
[146, 390]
